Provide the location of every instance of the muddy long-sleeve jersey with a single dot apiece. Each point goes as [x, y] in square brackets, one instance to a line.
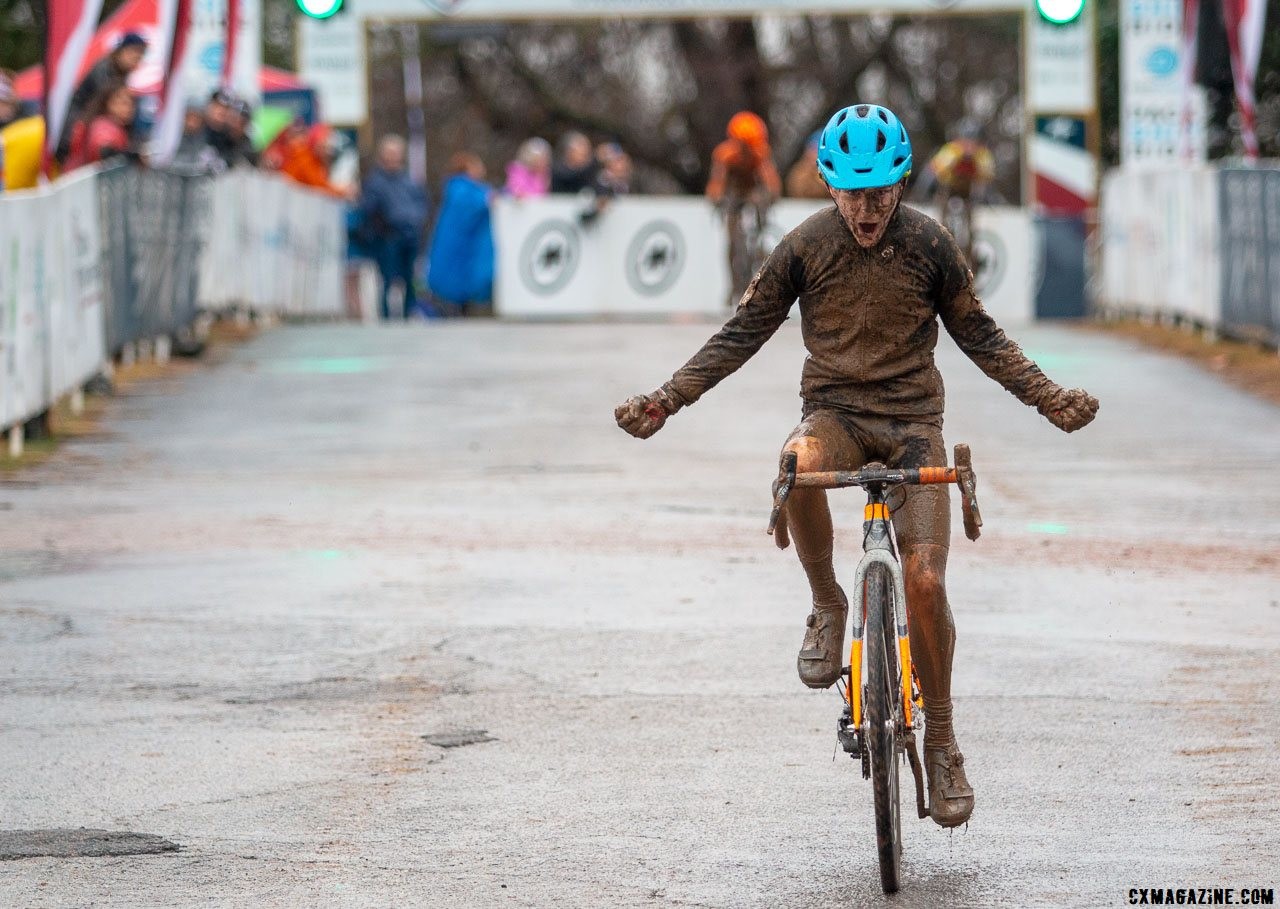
[869, 319]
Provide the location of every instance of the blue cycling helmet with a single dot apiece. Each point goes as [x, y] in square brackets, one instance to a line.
[864, 146]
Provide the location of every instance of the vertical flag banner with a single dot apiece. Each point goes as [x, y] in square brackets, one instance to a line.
[1244, 19]
[175, 29]
[229, 53]
[69, 27]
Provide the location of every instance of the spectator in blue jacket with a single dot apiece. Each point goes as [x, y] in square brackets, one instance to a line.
[393, 213]
[460, 270]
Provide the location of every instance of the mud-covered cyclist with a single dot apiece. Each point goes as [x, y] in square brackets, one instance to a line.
[873, 277]
[743, 181]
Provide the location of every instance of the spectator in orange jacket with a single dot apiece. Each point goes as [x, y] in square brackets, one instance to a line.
[302, 154]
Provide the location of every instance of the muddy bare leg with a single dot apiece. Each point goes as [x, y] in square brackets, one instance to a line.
[933, 639]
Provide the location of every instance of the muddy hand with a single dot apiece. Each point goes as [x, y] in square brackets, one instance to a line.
[1070, 409]
[641, 415]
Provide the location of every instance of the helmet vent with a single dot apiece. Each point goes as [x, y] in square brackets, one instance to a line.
[880, 143]
[840, 119]
[883, 115]
[844, 143]
[862, 110]
[897, 162]
[862, 170]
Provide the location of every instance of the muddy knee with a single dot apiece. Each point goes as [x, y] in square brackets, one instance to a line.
[810, 452]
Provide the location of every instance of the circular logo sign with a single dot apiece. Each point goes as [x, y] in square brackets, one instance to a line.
[988, 261]
[549, 257]
[655, 258]
[1162, 61]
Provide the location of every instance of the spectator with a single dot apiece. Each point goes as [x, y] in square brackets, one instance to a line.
[392, 216]
[217, 132]
[460, 270]
[576, 169]
[803, 180]
[104, 133]
[614, 176]
[529, 175]
[303, 154]
[193, 151]
[239, 121]
[12, 108]
[110, 72]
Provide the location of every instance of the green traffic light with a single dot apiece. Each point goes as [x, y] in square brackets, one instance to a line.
[319, 9]
[1059, 12]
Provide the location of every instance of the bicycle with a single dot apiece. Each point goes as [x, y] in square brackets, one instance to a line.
[746, 221]
[957, 216]
[878, 722]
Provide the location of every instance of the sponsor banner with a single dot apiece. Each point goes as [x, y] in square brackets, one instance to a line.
[1250, 213]
[648, 256]
[536, 9]
[76, 326]
[273, 246]
[1060, 65]
[51, 329]
[1161, 113]
[331, 60]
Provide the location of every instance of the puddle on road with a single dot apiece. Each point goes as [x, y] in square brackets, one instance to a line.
[80, 843]
[458, 739]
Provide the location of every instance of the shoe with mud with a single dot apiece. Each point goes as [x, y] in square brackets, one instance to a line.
[819, 661]
[950, 795]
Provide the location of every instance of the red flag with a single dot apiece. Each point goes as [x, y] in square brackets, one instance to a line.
[176, 14]
[1244, 19]
[229, 48]
[69, 26]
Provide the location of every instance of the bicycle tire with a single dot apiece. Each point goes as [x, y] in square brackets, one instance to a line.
[882, 700]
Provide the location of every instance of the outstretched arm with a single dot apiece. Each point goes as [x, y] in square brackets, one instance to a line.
[762, 309]
[997, 355]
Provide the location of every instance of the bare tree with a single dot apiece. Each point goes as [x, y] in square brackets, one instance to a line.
[665, 90]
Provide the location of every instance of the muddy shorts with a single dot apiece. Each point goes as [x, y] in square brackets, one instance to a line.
[851, 440]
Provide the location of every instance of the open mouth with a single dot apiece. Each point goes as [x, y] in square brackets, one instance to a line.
[867, 228]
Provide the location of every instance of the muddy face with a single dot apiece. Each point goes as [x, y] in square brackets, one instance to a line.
[867, 211]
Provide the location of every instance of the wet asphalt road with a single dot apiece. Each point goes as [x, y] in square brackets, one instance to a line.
[230, 620]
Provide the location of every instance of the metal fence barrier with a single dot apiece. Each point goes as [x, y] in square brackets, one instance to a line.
[1200, 244]
[154, 229]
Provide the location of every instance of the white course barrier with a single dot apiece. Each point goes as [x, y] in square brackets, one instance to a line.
[1161, 250]
[51, 310]
[275, 247]
[667, 256]
[270, 244]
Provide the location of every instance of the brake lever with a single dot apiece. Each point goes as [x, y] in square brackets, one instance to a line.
[968, 482]
[786, 480]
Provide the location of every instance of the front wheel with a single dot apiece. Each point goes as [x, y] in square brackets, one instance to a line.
[882, 700]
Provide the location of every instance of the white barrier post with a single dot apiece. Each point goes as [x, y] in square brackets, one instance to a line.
[16, 437]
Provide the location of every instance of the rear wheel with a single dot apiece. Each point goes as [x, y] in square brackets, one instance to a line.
[882, 717]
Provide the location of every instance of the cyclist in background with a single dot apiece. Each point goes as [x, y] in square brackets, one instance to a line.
[744, 181]
[960, 174]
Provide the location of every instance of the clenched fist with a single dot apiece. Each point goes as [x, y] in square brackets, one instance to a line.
[1069, 409]
[643, 415]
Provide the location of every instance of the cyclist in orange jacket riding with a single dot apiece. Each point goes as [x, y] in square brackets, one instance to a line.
[744, 182]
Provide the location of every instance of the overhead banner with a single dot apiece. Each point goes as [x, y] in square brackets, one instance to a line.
[541, 9]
